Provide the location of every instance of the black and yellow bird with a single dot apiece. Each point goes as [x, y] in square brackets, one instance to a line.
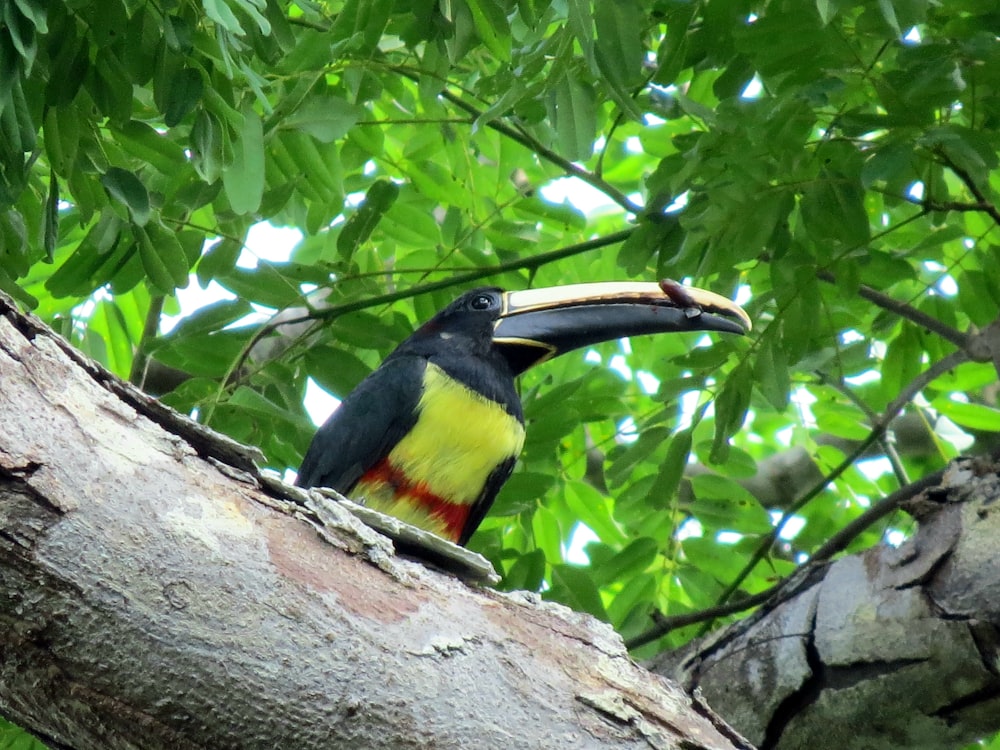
[434, 432]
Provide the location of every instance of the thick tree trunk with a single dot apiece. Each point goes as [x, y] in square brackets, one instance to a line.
[891, 648]
[155, 593]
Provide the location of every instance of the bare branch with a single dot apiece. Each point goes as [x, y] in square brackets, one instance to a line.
[987, 206]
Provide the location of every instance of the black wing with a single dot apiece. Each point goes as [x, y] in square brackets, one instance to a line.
[365, 427]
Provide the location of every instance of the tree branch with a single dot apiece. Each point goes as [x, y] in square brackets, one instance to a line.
[457, 280]
[966, 178]
[905, 311]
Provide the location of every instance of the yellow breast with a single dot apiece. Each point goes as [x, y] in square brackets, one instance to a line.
[459, 439]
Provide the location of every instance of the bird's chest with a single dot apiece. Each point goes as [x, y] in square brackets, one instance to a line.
[459, 439]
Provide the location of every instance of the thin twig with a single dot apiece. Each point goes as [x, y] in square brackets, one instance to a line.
[666, 623]
[890, 503]
[903, 310]
[930, 205]
[885, 443]
[521, 264]
[987, 205]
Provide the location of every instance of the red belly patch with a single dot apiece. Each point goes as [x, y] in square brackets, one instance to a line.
[452, 515]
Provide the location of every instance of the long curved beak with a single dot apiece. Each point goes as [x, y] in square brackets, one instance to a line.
[539, 324]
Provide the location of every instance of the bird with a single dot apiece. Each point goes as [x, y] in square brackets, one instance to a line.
[433, 433]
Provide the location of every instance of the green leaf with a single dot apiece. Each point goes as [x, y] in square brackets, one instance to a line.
[151, 147]
[255, 403]
[574, 587]
[206, 354]
[322, 172]
[50, 224]
[336, 370]
[252, 8]
[358, 228]
[208, 140]
[722, 503]
[668, 478]
[595, 510]
[14, 243]
[359, 25]
[833, 210]
[546, 533]
[624, 462]
[527, 573]
[631, 561]
[581, 22]
[127, 189]
[17, 121]
[220, 258]
[522, 492]
[575, 118]
[325, 118]
[647, 239]
[619, 51]
[264, 285]
[638, 593]
[706, 558]
[730, 409]
[739, 463]
[771, 372]
[440, 185]
[977, 297]
[95, 261]
[902, 362]
[889, 14]
[12, 737]
[565, 214]
[490, 19]
[182, 96]
[220, 12]
[969, 415]
[61, 135]
[210, 318]
[11, 287]
[35, 12]
[162, 257]
[849, 423]
[244, 178]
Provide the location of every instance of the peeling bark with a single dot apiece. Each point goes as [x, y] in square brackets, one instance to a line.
[155, 592]
[890, 648]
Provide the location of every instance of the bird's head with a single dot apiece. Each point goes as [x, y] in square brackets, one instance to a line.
[467, 324]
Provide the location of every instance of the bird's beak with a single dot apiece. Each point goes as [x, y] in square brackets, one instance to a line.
[538, 324]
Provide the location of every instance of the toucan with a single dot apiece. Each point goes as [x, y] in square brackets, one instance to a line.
[432, 434]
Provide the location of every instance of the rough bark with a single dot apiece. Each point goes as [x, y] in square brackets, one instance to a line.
[155, 592]
[891, 648]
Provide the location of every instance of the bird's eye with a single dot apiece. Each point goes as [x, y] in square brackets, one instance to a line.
[482, 302]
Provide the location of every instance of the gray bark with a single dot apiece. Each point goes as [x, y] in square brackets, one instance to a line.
[156, 593]
[891, 648]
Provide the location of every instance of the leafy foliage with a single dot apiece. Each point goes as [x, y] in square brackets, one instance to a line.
[833, 163]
